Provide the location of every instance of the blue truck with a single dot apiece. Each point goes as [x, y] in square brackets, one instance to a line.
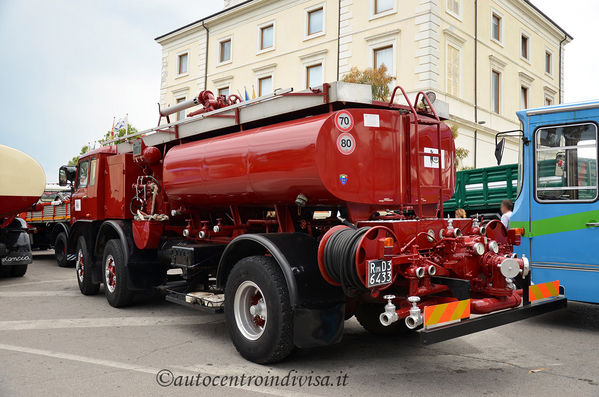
[557, 200]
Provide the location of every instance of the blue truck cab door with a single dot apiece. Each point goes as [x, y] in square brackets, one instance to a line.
[558, 206]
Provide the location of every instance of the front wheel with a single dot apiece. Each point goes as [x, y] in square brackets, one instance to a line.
[115, 275]
[257, 310]
[83, 266]
[60, 250]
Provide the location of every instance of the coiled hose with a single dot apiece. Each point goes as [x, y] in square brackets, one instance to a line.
[340, 257]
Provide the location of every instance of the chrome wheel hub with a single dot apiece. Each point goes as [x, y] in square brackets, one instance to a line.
[250, 309]
[110, 273]
[80, 266]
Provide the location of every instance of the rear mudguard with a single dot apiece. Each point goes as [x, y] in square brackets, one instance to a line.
[318, 307]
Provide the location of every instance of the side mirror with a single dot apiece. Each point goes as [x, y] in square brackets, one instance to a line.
[499, 148]
[66, 174]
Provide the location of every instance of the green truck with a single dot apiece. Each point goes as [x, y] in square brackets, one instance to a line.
[480, 191]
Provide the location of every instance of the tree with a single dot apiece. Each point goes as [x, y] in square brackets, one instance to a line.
[117, 134]
[460, 152]
[377, 78]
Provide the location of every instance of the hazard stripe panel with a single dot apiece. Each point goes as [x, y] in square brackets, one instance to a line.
[446, 312]
[542, 291]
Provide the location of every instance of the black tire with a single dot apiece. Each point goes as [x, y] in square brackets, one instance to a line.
[18, 270]
[5, 271]
[83, 267]
[276, 340]
[60, 250]
[368, 314]
[115, 280]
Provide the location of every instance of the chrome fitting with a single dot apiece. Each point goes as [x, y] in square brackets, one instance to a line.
[509, 268]
[432, 270]
[420, 272]
[389, 316]
[202, 234]
[526, 268]
[185, 232]
[479, 248]
[415, 319]
[216, 229]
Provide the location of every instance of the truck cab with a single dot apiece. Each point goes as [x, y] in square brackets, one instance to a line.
[557, 206]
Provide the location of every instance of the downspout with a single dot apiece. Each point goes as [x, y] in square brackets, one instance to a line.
[475, 78]
[338, 38]
[560, 67]
[206, 61]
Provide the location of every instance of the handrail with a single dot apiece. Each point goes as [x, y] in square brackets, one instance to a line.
[405, 97]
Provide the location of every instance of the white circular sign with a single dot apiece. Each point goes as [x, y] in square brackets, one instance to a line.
[346, 143]
[344, 121]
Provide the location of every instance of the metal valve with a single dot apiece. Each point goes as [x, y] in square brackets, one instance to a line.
[389, 316]
[415, 318]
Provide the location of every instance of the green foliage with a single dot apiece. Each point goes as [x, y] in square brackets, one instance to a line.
[377, 78]
[460, 152]
[118, 134]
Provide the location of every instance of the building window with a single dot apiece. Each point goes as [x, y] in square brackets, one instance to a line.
[496, 27]
[384, 56]
[453, 6]
[453, 71]
[548, 101]
[224, 54]
[314, 75]
[264, 85]
[182, 68]
[381, 6]
[548, 62]
[267, 37]
[566, 163]
[524, 47]
[315, 21]
[524, 97]
[181, 114]
[223, 91]
[495, 90]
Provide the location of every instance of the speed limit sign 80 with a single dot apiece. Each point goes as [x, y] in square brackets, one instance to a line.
[346, 143]
[344, 121]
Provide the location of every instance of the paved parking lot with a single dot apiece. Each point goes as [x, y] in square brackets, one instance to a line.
[56, 342]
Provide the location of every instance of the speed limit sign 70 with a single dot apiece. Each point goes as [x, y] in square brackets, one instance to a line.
[344, 121]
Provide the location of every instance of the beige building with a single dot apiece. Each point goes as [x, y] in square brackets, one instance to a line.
[485, 59]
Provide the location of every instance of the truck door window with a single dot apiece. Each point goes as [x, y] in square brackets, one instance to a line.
[92, 172]
[566, 163]
[82, 177]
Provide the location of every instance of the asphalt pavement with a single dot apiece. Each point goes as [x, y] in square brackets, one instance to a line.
[56, 342]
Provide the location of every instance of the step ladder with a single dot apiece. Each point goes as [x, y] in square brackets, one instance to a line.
[414, 124]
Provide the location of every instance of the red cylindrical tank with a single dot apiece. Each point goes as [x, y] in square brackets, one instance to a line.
[364, 156]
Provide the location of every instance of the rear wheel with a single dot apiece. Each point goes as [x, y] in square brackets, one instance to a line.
[258, 311]
[83, 266]
[116, 275]
[368, 314]
[60, 250]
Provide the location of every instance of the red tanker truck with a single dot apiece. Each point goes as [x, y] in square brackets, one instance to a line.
[22, 182]
[292, 213]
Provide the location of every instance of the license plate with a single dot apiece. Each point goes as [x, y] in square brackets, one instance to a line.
[379, 272]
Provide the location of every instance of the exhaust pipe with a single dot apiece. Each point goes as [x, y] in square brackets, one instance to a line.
[415, 319]
[389, 316]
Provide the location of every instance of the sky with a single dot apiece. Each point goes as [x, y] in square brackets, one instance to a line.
[68, 67]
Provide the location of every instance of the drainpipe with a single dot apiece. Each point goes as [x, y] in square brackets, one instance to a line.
[206, 61]
[338, 38]
[475, 78]
[560, 67]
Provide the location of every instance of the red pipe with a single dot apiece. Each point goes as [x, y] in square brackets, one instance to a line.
[488, 305]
